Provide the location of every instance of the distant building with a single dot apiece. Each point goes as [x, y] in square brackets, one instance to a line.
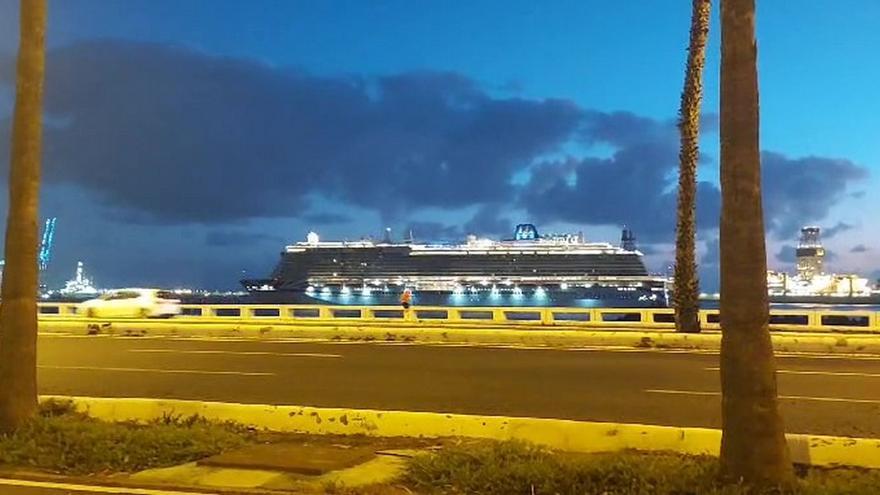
[810, 253]
[810, 278]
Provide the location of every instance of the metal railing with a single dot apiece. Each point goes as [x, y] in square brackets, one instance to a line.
[570, 318]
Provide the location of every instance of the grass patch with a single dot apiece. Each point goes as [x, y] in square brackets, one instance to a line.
[509, 468]
[62, 440]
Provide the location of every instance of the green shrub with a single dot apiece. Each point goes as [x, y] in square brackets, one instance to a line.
[511, 468]
[60, 439]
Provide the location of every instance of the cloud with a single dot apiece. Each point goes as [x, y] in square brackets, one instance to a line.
[434, 231]
[486, 221]
[787, 254]
[229, 238]
[179, 136]
[164, 135]
[326, 218]
[798, 191]
[712, 253]
[859, 248]
[830, 232]
[636, 185]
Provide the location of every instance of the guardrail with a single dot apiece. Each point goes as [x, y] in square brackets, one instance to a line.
[605, 318]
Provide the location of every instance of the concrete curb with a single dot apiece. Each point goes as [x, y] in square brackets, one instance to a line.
[566, 435]
[502, 335]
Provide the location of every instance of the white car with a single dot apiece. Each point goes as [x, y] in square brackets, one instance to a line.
[132, 303]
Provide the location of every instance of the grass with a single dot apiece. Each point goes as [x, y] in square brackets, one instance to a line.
[510, 468]
[62, 440]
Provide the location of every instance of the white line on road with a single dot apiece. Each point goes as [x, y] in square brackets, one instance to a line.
[816, 372]
[785, 397]
[157, 370]
[239, 353]
[92, 488]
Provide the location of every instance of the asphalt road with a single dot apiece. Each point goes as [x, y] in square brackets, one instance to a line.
[820, 394]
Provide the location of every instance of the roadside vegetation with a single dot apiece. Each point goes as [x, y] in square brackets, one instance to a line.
[62, 440]
[509, 468]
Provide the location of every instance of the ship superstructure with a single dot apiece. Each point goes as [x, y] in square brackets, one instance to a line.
[528, 265]
[80, 285]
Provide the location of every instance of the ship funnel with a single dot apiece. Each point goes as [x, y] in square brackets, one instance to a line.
[628, 239]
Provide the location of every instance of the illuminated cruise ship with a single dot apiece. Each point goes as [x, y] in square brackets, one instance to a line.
[528, 270]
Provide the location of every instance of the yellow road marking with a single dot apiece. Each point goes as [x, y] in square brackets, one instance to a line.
[784, 397]
[238, 353]
[156, 370]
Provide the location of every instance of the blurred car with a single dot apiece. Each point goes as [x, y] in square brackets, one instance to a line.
[132, 303]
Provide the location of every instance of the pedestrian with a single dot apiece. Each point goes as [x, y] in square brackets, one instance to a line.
[406, 298]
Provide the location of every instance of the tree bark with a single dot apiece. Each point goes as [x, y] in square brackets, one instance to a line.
[687, 285]
[753, 447]
[18, 311]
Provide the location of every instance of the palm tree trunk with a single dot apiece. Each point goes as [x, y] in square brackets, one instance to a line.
[18, 312]
[687, 284]
[753, 447]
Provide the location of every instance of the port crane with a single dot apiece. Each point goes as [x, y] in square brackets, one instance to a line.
[44, 255]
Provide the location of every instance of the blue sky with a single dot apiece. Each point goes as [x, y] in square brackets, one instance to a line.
[563, 98]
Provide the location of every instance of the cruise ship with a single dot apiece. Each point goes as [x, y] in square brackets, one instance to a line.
[526, 270]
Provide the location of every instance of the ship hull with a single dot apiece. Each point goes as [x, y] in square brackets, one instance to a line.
[572, 297]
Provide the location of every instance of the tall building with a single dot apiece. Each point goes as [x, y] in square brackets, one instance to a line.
[810, 253]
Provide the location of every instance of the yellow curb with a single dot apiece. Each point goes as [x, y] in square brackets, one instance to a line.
[565, 435]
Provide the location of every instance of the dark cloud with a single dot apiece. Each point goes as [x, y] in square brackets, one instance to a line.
[830, 232]
[486, 221]
[859, 248]
[227, 238]
[181, 136]
[786, 254]
[636, 185]
[326, 218]
[434, 231]
[161, 134]
[798, 191]
[632, 187]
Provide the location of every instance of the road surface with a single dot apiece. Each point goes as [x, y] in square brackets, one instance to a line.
[820, 394]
